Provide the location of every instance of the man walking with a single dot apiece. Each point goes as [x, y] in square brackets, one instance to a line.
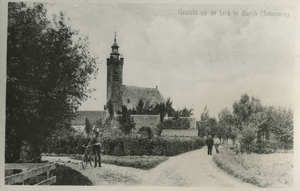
[96, 146]
[209, 143]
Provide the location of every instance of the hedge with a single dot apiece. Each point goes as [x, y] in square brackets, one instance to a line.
[131, 146]
[265, 147]
[158, 146]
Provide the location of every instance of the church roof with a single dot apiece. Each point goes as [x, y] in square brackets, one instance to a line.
[132, 94]
[92, 116]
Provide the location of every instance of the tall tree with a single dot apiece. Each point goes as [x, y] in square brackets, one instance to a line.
[161, 109]
[169, 108]
[225, 123]
[283, 126]
[244, 108]
[140, 107]
[48, 71]
[109, 106]
[126, 121]
[203, 123]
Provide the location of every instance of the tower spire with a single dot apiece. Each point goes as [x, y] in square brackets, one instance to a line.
[115, 35]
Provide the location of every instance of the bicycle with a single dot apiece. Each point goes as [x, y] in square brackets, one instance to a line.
[86, 158]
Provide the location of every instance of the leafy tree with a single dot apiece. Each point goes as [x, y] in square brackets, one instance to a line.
[126, 121]
[110, 108]
[283, 126]
[263, 122]
[161, 109]
[243, 109]
[212, 127]
[248, 138]
[140, 107]
[48, 72]
[203, 123]
[146, 132]
[225, 123]
[233, 133]
[169, 108]
[103, 125]
[186, 112]
[88, 126]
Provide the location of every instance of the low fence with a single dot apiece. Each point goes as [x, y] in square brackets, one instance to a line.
[30, 170]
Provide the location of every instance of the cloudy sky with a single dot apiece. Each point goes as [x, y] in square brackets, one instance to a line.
[195, 59]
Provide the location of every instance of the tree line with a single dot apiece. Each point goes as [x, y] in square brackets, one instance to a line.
[127, 123]
[249, 118]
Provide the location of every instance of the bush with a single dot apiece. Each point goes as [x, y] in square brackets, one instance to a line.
[265, 147]
[68, 144]
[146, 132]
[248, 139]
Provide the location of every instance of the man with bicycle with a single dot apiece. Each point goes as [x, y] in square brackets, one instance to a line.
[95, 142]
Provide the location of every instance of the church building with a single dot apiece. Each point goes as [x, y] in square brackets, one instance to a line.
[120, 94]
[129, 96]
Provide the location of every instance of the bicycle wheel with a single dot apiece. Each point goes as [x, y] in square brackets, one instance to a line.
[84, 161]
[90, 160]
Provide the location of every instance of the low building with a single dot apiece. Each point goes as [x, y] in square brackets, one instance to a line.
[179, 133]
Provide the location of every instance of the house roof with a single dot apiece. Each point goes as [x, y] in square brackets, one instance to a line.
[132, 94]
[92, 116]
[145, 120]
[141, 120]
[192, 121]
[180, 132]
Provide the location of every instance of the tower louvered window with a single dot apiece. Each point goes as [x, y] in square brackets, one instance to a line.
[116, 76]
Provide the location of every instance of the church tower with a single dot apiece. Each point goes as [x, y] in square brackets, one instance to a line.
[114, 76]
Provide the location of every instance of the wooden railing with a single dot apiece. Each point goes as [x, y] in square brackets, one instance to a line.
[30, 170]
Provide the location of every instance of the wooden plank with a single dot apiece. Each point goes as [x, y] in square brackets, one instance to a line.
[23, 166]
[20, 177]
[48, 181]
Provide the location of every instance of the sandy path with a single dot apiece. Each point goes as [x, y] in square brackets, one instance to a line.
[191, 169]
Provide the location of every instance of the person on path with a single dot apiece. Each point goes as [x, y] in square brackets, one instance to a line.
[95, 142]
[209, 143]
[217, 143]
[237, 147]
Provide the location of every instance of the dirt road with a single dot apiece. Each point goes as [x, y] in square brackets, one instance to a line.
[191, 169]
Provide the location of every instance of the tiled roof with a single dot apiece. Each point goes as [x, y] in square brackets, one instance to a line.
[132, 94]
[145, 120]
[92, 116]
[191, 119]
[180, 132]
[141, 120]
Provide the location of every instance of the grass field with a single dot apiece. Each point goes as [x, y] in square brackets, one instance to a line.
[264, 170]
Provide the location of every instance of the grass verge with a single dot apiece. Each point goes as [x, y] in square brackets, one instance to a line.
[263, 170]
[141, 162]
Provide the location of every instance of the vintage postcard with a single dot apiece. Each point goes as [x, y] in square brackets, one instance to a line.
[155, 95]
